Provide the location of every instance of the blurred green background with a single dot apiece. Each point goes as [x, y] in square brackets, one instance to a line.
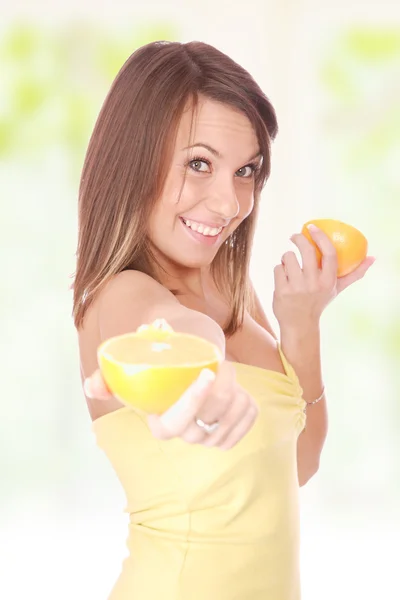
[60, 504]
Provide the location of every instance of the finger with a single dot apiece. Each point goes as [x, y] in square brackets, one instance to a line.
[325, 245]
[328, 250]
[308, 254]
[356, 275]
[221, 394]
[232, 417]
[293, 269]
[194, 434]
[280, 279]
[241, 429]
[176, 419]
[95, 387]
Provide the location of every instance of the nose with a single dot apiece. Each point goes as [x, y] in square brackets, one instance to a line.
[222, 199]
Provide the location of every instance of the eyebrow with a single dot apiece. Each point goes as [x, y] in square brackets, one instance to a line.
[215, 152]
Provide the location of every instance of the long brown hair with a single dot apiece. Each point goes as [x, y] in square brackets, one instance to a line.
[125, 168]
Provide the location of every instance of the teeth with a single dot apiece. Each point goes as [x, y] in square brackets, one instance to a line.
[204, 229]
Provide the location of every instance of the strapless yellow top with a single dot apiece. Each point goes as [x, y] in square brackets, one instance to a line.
[206, 524]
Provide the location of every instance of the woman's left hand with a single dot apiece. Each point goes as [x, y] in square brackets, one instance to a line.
[302, 293]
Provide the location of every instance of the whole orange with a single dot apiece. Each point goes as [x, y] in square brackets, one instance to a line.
[351, 245]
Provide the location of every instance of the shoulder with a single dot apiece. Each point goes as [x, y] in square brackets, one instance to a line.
[134, 283]
[130, 290]
[128, 300]
[133, 298]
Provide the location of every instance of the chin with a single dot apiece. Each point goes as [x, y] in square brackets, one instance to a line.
[179, 259]
[194, 263]
[190, 261]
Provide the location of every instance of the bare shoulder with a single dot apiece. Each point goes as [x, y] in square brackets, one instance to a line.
[129, 300]
[133, 298]
[137, 286]
[137, 282]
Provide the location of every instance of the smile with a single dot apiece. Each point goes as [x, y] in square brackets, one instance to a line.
[203, 229]
[202, 233]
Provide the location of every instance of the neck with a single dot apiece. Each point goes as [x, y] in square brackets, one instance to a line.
[183, 280]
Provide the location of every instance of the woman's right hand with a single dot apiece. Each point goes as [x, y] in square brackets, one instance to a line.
[210, 399]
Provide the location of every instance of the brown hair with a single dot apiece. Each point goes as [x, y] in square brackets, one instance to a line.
[125, 168]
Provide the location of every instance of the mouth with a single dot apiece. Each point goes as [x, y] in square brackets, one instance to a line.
[202, 233]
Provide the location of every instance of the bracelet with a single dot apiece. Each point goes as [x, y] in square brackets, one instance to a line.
[318, 399]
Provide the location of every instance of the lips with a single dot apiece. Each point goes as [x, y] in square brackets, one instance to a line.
[208, 240]
[201, 228]
[204, 223]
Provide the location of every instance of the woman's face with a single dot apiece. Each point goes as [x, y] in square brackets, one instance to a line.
[189, 225]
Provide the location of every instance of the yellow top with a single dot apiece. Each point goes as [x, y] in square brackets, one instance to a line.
[206, 524]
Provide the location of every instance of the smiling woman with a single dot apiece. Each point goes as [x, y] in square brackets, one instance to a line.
[218, 187]
[170, 85]
[168, 204]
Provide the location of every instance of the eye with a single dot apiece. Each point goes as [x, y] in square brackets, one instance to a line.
[201, 165]
[246, 171]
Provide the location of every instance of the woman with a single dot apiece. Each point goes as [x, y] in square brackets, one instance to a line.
[168, 205]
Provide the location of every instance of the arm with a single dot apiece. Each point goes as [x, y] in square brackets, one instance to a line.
[300, 297]
[129, 300]
[303, 353]
[132, 299]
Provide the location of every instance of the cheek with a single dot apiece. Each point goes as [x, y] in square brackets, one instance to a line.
[163, 211]
[177, 191]
[178, 196]
[246, 201]
[164, 217]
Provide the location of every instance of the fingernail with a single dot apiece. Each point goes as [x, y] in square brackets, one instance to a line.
[87, 388]
[205, 377]
[312, 228]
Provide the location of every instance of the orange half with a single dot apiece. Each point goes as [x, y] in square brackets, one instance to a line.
[149, 369]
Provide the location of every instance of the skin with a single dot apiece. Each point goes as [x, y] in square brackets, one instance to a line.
[222, 193]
